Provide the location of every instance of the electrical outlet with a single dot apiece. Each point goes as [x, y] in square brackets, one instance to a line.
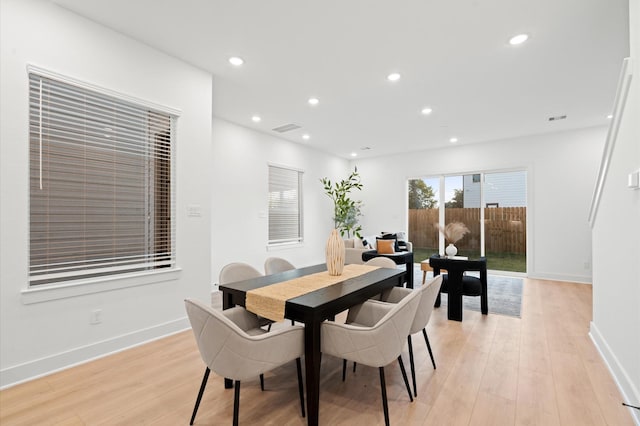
[587, 265]
[96, 316]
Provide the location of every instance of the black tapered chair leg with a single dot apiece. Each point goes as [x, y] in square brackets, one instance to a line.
[236, 402]
[354, 366]
[404, 376]
[412, 365]
[262, 382]
[300, 385]
[344, 369]
[426, 339]
[202, 386]
[383, 388]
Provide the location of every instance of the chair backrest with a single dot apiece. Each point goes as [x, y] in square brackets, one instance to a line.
[378, 345]
[428, 294]
[230, 351]
[273, 265]
[213, 331]
[237, 271]
[383, 262]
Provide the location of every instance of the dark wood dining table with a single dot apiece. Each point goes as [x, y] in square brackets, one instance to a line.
[314, 308]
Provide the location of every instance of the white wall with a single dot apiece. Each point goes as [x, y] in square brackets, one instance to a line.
[41, 337]
[561, 167]
[616, 245]
[239, 203]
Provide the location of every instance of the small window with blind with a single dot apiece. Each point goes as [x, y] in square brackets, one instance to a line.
[101, 185]
[285, 205]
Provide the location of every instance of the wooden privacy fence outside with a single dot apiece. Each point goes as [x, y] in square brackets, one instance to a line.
[505, 228]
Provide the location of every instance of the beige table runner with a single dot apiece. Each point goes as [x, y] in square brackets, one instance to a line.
[269, 301]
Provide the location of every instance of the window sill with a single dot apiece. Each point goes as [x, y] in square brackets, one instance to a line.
[284, 246]
[45, 293]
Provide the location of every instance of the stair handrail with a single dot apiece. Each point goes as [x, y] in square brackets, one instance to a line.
[624, 82]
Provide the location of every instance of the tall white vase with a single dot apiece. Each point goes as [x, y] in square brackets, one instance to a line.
[335, 253]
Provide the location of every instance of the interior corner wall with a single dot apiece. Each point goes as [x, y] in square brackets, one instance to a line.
[43, 337]
[239, 209]
[616, 244]
[562, 169]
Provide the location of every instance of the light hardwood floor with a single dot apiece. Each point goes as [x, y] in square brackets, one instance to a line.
[541, 369]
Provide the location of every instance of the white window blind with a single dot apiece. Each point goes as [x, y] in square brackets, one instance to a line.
[285, 201]
[101, 185]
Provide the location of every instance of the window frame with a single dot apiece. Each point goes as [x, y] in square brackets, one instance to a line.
[71, 287]
[293, 240]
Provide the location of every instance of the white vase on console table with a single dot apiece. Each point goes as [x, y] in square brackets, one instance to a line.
[451, 250]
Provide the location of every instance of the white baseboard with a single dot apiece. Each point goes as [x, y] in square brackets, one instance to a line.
[628, 390]
[44, 366]
[582, 279]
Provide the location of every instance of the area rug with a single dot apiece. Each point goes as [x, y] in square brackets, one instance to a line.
[505, 295]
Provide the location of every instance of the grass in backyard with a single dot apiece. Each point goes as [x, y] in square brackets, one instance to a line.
[513, 262]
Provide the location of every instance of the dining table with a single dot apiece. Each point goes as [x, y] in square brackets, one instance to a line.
[313, 308]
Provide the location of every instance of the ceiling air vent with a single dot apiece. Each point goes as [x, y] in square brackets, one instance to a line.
[557, 117]
[286, 128]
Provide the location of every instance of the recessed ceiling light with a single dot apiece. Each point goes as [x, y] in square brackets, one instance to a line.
[394, 76]
[610, 116]
[313, 101]
[453, 140]
[306, 137]
[235, 60]
[519, 39]
[256, 119]
[426, 111]
[354, 154]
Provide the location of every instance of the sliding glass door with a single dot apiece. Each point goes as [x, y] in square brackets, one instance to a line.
[505, 220]
[491, 205]
[462, 205]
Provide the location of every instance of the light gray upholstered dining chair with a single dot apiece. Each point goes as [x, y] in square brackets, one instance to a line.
[383, 262]
[373, 334]
[232, 345]
[273, 265]
[428, 293]
[239, 271]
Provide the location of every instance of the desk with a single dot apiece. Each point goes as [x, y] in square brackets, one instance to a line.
[313, 308]
[399, 257]
[455, 269]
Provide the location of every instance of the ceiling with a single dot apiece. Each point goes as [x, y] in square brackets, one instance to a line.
[453, 56]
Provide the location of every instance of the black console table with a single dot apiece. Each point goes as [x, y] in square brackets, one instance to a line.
[399, 257]
[456, 269]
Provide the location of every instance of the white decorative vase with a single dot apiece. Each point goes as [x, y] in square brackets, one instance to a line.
[335, 253]
[451, 250]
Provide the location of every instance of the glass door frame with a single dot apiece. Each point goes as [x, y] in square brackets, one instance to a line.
[442, 200]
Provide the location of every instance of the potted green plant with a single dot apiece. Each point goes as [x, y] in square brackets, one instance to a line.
[345, 218]
[346, 211]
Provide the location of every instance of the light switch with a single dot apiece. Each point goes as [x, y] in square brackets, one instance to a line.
[194, 210]
[634, 180]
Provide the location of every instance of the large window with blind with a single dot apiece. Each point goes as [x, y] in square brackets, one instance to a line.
[285, 205]
[101, 185]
